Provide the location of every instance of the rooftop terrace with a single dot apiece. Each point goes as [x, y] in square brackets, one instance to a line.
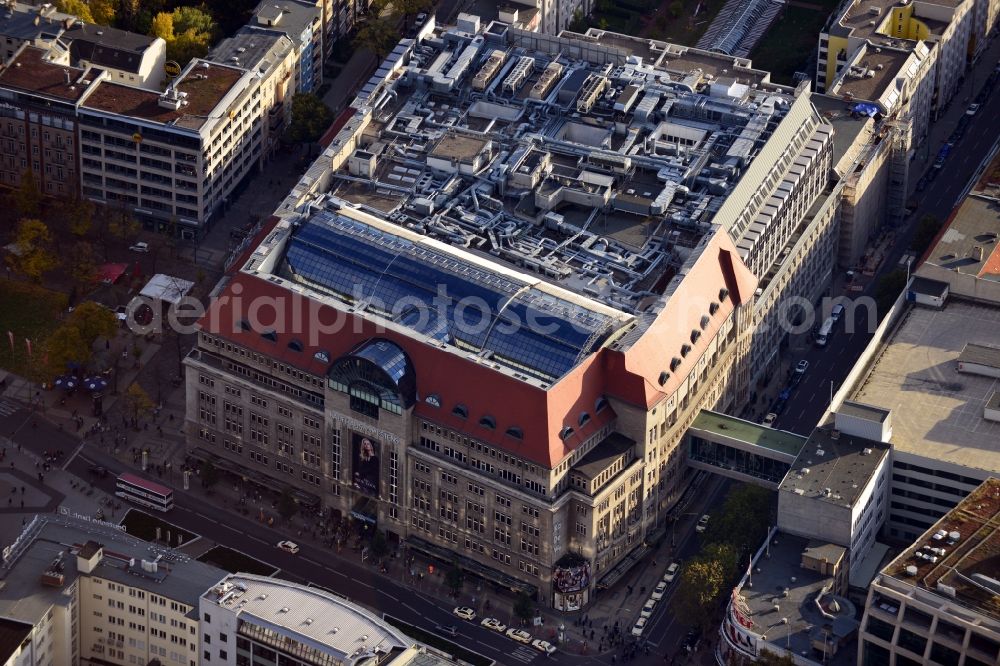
[202, 86]
[952, 558]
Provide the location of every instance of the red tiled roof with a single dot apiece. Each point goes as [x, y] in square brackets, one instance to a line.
[336, 126]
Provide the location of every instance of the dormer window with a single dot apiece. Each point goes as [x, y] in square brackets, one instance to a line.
[269, 335]
[433, 400]
[704, 322]
[295, 345]
[515, 432]
[601, 403]
[685, 350]
[723, 294]
[565, 433]
[488, 422]
[695, 334]
[664, 376]
[713, 307]
[245, 325]
[461, 411]
[674, 362]
[584, 417]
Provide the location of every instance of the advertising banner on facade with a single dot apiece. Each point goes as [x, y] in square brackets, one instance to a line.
[365, 463]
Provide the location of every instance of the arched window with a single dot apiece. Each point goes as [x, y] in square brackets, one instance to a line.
[515, 432]
[584, 417]
[295, 345]
[601, 403]
[488, 422]
[565, 433]
[433, 400]
[461, 410]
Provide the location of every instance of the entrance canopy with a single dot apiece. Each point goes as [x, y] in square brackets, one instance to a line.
[110, 273]
[167, 288]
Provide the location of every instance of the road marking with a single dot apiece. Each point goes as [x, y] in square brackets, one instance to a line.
[257, 538]
[339, 573]
[75, 453]
[208, 518]
[312, 562]
[229, 527]
[410, 607]
[391, 596]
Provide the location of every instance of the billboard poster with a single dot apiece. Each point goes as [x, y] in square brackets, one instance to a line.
[365, 463]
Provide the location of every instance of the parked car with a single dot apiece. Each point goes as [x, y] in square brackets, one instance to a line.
[121, 312]
[519, 635]
[801, 367]
[971, 111]
[543, 646]
[494, 624]
[647, 609]
[464, 612]
[141, 246]
[639, 626]
[922, 184]
[769, 419]
[661, 587]
[702, 524]
[288, 546]
[99, 472]
[672, 572]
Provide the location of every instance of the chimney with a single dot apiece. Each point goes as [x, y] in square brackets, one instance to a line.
[69, 79]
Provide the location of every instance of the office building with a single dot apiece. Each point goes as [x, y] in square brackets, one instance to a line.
[256, 621]
[620, 242]
[176, 154]
[38, 104]
[81, 591]
[22, 23]
[936, 603]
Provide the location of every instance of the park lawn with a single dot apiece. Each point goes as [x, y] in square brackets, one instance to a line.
[234, 561]
[29, 312]
[143, 526]
[790, 43]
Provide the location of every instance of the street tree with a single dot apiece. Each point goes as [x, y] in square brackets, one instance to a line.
[77, 8]
[744, 519]
[379, 546]
[524, 607]
[287, 506]
[378, 35]
[702, 581]
[63, 348]
[93, 321]
[408, 8]
[209, 474]
[122, 224]
[310, 118]
[28, 195]
[137, 403]
[454, 578]
[33, 256]
[81, 264]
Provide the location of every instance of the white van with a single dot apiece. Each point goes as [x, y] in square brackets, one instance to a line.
[824, 332]
[836, 312]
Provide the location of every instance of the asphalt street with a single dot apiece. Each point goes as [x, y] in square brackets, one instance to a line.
[828, 366]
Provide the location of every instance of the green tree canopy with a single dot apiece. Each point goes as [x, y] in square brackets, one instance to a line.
[81, 263]
[524, 607]
[33, 257]
[163, 27]
[104, 11]
[93, 321]
[378, 35]
[744, 520]
[188, 32]
[77, 8]
[310, 118]
[28, 196]
[65, 346]
[702, 582]
[138, 404]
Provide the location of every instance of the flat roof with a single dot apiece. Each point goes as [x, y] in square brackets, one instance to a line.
[602, 455]
[839, 466]
[876, 72]
[251, 46]
[781, 579]
[205, 84]
[29, 72]
[322, 620]
[459, 147]
[851, 132]
[863, 411]
[937, 411]
[12, 634]
[747, 431]
[987, 355]
[22, 595]
[975, 521]
[858, 17]
[976, 224]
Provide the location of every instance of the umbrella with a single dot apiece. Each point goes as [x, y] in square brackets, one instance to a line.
[95, 383]
[67, 382]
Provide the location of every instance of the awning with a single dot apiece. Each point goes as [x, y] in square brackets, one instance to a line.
[471, 566]
[167, 288]
[110, 273]
[365, 510]
[622, 567]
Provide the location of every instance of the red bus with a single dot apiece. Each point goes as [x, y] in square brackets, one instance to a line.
[144, 493]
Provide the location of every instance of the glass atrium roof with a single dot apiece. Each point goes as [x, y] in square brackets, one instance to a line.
[441, 296]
